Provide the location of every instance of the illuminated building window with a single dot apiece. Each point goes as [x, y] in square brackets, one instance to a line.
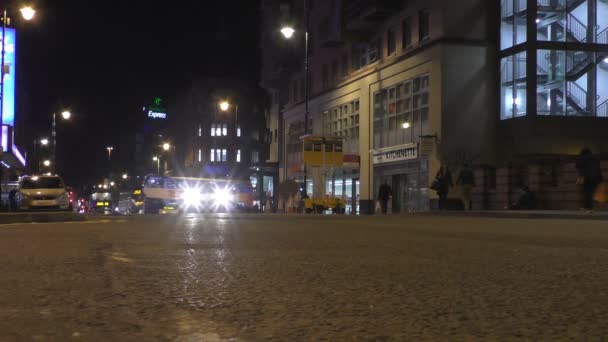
[218, 130]
[224, 155]
[391, 45]
[224, 129]
[212, 130]
[424, 26]
[255, 156]
[238, 156]
[200, 130]
[238, 131]
[200, 155]
[212, 155]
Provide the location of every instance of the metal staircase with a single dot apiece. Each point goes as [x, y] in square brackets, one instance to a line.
[577, 64]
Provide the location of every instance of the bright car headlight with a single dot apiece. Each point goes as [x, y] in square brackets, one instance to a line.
[222, 197]
[192, 197]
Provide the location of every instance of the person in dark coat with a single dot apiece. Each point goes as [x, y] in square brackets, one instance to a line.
[443, 183]
[384, 193]
[590, 176]
[466, 178]
[527, 200]
[12, 199]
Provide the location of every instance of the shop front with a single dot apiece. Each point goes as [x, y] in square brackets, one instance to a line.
[402, 168]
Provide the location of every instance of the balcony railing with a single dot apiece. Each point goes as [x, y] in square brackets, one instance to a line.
[361, 14]
[577, 94]
[602, 109]
[576, 28]
[602, 37]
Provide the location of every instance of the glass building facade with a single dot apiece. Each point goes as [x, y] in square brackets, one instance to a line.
[558, 66]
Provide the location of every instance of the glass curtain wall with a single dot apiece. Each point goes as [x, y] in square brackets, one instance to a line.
[572, 80]
[513, 23]
[401, 113]
[513, 86]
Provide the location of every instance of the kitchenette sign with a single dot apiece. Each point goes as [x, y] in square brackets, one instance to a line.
[395, 154]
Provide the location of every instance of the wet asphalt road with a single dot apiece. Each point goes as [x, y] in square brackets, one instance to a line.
[293, 278]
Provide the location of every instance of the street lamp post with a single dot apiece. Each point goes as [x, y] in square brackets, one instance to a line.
[157, 160]
[36, 157]
[66, 116]
[27, 13]
[110, 149]
[288, 32]
[224, 106]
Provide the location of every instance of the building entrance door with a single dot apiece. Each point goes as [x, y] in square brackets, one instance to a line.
[399, 189]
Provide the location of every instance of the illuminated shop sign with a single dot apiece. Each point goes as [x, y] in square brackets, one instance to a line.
[156, 115]
[395, 154]
[156, 110]
[8, 103]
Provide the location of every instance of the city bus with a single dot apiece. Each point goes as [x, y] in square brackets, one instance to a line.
[163, 194]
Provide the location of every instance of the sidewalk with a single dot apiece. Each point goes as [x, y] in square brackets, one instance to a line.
[29, 217]
[527, 214]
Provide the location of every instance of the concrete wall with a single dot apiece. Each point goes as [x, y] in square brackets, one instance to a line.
[558, 135]
[469, 97]
[553, 181]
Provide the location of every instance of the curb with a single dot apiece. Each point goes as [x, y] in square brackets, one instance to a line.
[596, 216]
[41, 217]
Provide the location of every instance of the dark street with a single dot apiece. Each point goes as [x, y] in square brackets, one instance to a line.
[250, 278]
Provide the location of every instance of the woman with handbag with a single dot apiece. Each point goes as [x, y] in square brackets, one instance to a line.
[590, 176]
[442, 184]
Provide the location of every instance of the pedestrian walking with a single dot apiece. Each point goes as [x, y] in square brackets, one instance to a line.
[442, 184]
[590, 176]
[384, 194]
[297, 202]
[12, 199]
[466, 179]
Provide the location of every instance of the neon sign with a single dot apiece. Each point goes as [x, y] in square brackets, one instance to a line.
[157, 110]
[156, 115]
[8, 93]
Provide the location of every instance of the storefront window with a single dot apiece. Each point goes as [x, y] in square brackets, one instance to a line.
[513, 86]
[402, 116]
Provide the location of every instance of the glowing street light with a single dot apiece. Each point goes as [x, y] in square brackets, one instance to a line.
[157, 160]
[44, 141]
[406, 125]
[287, 32]
[224, 105]
[27, 13]
[46, 163]
[166, 146]
[110, 149]
[125, 176]
[112, 183]
[66, 115]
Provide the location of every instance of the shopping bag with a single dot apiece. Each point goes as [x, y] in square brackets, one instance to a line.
[601, 193]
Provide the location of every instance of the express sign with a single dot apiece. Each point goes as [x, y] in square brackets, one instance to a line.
[395, 154]
[157, 115]
[156, 110]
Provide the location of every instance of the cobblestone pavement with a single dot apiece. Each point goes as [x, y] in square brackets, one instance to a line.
[292, 278]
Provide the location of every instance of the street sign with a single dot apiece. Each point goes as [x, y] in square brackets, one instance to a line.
[395, 154]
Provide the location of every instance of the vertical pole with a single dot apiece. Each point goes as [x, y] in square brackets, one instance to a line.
[2, 95]
[54, 137]
[307, 17]
[2, 78]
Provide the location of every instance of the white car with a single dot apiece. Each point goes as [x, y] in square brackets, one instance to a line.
[42, 193]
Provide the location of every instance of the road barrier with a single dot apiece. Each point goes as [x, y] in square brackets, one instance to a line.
[29, 217]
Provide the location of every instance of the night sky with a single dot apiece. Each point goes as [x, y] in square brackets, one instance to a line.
[104, 60]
